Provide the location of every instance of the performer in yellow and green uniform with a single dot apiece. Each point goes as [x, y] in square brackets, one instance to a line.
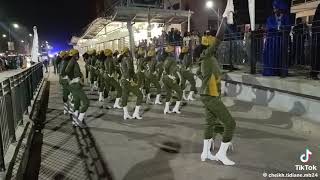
[186, 74]
[110, 77]
[218, 118]
[170, 80]
[100, 68]
[128, 85]
[140, 76]
[63, 60]
[160, 64]
[151, 75]
[85, 57]
[116, 61]
[92, 63]
[81, 102]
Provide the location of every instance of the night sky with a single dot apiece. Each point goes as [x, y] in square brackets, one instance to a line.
[57, 20]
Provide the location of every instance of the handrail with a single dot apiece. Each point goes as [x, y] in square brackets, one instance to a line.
[17, 90]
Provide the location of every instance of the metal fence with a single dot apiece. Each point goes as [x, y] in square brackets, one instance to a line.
[280, 53]
[16, 94]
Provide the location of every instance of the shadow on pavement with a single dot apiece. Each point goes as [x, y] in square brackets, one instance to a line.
[95, 164]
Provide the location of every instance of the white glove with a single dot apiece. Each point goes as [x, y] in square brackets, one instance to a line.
[228, 13]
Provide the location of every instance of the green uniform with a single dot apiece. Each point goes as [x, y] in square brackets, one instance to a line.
[160, 65]
[218, 117]
[92, 64]
[170, 78]
[127, 85]
[151, 75]
[64, 80]
[100, 74]
[140, 77]
[80, 98]
[186, 74]
[118, 74]
[110, 77]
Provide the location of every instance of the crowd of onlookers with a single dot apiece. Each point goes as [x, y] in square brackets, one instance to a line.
[11, 62]
[193, 40]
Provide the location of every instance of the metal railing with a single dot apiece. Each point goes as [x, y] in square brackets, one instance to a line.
[16, 93]
[278, 53]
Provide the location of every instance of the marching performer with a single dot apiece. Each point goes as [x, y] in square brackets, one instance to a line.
[186, 74]
[170, 80]
[100, 68]
[140, 76]
[81, 101]
[218, 117]
[128, 86]
[92, 63]
[151, 76]
[110, 77]
[63, 61]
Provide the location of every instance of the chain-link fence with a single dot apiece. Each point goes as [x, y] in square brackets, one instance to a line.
[16, 93]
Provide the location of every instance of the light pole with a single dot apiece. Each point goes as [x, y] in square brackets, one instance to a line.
[10, 43]
[210, 5]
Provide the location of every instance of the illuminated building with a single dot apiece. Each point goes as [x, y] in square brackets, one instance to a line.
[304, 9]
[113, 30]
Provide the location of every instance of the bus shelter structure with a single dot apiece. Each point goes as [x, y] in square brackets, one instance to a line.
[126, 26]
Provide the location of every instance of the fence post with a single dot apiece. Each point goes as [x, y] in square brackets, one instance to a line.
[285, 52]
[14, 116]
[253, 61]
[2, 164]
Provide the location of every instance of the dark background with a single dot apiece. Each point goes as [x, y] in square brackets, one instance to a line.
[263, 10]
[57, 20]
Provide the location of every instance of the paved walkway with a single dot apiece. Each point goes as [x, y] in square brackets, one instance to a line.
[265, 141]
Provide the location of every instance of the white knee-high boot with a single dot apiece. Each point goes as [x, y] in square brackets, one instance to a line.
[222, 154]
[176, 107]
[148, 98]
[81, 120]
[136, 114]
[101, 98]
[126, 113]
[190, 96]
[116, 104]
[167, 108]
[158, 102]
[184, 95]
[206, 151]
[75, 118]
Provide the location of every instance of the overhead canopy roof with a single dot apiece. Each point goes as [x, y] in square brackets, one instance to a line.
[140, 14]
[136, 14]
[95, 27]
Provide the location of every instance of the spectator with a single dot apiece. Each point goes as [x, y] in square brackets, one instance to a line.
[186, 40]
[55, 65]
[299, 38]
[171, 37]
[45, 61]
[194, 42]
[178, 43]
[315, 64]
[278, 27]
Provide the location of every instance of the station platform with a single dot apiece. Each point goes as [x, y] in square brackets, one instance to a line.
[267, 140]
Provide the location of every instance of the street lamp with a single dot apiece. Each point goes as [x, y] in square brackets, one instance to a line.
[30, 35]
[15, 25]
[22, 41]
[4, 35]
[209, 4]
